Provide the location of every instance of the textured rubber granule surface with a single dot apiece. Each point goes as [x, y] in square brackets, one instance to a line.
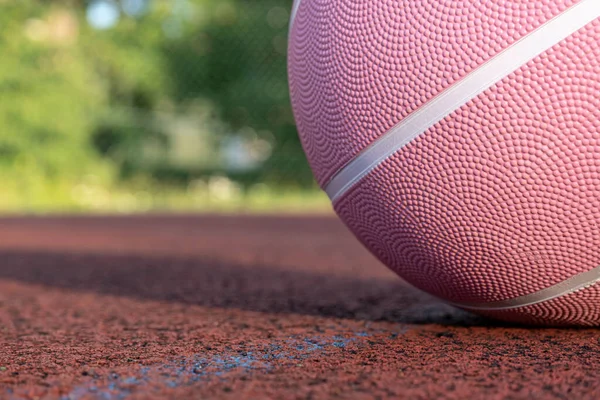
[250, 307]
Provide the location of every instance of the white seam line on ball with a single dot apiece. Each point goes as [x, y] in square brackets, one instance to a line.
[456, 96]
[571, 285]
[295, 7]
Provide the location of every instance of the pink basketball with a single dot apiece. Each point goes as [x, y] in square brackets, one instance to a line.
[459, 140]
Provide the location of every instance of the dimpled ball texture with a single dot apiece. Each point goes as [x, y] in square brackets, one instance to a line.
[500, 199]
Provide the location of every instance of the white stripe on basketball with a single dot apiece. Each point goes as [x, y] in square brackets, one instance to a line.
[571, 285]
[294, 11]
[514, 57]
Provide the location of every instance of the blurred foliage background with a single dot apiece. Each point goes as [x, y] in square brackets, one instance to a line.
[138, 105]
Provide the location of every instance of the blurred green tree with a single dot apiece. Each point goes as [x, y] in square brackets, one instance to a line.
[237, 59]
[48, 92]
[79, 100]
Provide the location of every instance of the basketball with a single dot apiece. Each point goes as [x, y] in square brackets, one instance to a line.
[459, 140]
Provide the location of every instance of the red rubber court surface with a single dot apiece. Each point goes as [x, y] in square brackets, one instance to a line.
[250, 307]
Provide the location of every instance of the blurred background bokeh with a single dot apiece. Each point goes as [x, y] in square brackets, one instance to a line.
[148, 105]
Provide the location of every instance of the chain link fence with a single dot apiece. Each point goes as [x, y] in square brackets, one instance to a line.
[148, 100]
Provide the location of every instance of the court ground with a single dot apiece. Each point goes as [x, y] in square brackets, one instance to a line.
[250, 307]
